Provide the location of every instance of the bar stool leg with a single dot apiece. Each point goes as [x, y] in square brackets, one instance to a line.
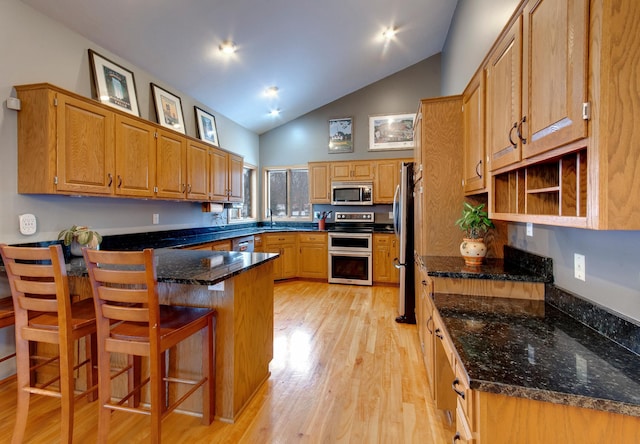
[23, 380]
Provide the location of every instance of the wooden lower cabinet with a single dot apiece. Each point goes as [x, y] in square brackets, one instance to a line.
[286, 266]
[385, 249]
[313, 255]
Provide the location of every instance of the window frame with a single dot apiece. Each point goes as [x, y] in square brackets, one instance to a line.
[254, 197]
[265, 193]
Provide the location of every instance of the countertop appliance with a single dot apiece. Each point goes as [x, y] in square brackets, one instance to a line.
[351, 248]
[352, 193]
[403, 227]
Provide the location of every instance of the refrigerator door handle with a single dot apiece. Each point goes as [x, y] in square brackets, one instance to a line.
[396, 211]
[397, 263]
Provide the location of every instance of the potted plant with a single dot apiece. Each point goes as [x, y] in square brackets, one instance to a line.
[78, 236]
[475, 223]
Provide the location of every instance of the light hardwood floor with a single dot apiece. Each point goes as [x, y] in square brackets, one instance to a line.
[343, 371]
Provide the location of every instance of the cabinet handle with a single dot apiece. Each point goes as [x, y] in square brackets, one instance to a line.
[524, 141]
[183, 188]
[514, 127]
[456, 438]
[439, 334]
[119, 181]
[477, 165]
[189, 188]
[428, 321]
[110, 179]
[454, 386]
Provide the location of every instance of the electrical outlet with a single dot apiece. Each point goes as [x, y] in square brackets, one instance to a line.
[156, 219]
[579, 270]
[28, 225]
[529, 229]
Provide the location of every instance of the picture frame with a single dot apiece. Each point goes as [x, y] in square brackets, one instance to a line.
[168, 109]
[391, 132]
[112, 84]
[341, 135]
[206, 126]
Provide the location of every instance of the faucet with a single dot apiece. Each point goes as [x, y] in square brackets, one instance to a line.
[271, 217]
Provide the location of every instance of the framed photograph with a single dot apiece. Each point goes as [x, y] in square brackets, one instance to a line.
[113, 84]
[391, 132]
[341, 135]
[168, 109]
[206, 125]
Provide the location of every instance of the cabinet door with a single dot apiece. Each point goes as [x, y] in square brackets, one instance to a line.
[135, 158]
[555, 67]
[417, 150]
[313, 256]
[319, 183]
[385, 249]
[386, 180]
[171, 157]
[473, 174]
[197, 171]
[219, 175]
[504, 99]
[236, 166]
[85, 149]
[340, 171]
[362, 170]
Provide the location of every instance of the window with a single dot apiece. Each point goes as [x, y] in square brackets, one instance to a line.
[287, 193]
[241, 212]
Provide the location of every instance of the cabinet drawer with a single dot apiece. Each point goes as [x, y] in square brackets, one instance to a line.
[464, 433]
[460, 386]
[443, 336]
[312, 237]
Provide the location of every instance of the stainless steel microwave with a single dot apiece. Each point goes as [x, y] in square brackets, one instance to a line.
[352, 193]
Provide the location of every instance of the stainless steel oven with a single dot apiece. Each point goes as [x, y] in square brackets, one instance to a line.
[350, 249]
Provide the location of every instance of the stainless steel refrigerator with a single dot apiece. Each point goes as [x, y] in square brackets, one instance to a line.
[403, 227]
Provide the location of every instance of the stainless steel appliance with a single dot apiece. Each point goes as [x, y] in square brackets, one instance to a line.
[352, 193]
[244, 243]
[403, 227]
[350, 249]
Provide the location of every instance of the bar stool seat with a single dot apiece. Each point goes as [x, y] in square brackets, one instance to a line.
[131, 321]
[44, 313]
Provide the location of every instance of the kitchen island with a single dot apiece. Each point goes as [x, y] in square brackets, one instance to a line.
[240, 287]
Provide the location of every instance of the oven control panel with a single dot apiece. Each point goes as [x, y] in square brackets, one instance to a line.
[366, 216]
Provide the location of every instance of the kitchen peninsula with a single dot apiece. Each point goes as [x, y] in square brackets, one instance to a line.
[240, 287]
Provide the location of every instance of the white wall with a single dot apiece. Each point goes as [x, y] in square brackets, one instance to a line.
[612, 260]
[37, 49]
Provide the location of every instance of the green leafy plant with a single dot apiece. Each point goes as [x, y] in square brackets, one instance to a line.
[475, 221]
[83, 235]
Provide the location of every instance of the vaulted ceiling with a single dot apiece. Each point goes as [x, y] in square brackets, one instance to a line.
[313, 51]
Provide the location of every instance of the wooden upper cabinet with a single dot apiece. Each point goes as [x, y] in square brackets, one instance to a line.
[387, 178]
[503, 74]
[555, 57]
[236, 174]
[197, 171]
[226, 176]
[473, 174]
[135, 158]
[352, 170]
[171, 178]
[319, 183]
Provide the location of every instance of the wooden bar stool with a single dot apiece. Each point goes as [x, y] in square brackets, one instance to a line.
[6, 320]
[130, 321]
[44, 314]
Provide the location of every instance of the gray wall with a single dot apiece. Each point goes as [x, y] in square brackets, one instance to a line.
[37, 49]
[612, 261]
[307, 138]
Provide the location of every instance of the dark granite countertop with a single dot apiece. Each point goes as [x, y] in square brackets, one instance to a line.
[194, 267]
[516, 266]
[530, 349]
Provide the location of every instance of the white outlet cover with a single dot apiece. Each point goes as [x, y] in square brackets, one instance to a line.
[28, 225]
[529, 229]
[579, 269]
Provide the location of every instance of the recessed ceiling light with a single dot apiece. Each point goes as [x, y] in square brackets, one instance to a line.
[389, 33]
[228, 47]
[272, 91]
[274, 112]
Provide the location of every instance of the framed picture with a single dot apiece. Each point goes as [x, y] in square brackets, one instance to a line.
[341, 135]
[168, 109]
[206, 125]
[391, 132]
[113, 85]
